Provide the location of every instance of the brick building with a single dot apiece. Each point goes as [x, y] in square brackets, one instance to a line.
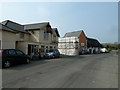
[72, 43]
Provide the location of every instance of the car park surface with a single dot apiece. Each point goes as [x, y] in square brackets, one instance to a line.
[82, 71]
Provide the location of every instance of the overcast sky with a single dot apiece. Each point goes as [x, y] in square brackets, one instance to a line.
[99, 20]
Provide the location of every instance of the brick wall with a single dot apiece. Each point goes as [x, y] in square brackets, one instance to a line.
[82, 40]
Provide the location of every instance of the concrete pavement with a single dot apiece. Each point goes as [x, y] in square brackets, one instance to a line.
[85, 71]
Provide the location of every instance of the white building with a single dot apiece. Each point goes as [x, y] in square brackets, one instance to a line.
[72, 43]
[68, 45]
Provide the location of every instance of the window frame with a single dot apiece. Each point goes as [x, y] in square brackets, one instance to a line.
[21, 35]
[19, 51]
[46, 36]
[10, 53]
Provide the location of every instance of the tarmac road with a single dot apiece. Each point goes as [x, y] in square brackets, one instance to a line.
[84, 71]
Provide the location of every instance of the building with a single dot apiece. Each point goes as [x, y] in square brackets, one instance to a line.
[29, 38]
[93, 45]
[72, 43]
[42, 37]
[11, 33]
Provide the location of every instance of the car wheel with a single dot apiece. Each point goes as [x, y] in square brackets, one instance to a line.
[53, 56]
[28, 61]
[7, 64]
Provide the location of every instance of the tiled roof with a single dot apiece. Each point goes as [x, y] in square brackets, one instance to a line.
[73, 34]
[13, 25]
[35, 26]
[22, 28]
[3, 27]
[93, 43]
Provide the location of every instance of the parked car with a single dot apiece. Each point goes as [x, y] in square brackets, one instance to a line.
[104, 50]
[13, 56]
[36, 56]
[52, 54]
[84, 52]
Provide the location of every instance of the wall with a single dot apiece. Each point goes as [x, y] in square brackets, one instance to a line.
[45, 41]
[34, 36]
[12, 40]
[22, 46]
[0, 39]
[26, 37]
[8, 40]
[38, 36]
[82, 39]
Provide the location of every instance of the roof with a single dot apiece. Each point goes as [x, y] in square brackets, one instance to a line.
[13, 25]
[35, 26]
[73, 34]
[3, 27]
[56, 30]
[93, 43]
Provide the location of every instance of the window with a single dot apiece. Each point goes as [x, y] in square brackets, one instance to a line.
[21, 35]
[12, 52]
[19, 52]
[82, 44]
[54, 38]
[42, 48]
[50, 47]
[5, 52]
[32, 32]
[46, 35]
[47, 50]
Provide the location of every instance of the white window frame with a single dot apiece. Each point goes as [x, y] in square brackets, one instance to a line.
[82, 44]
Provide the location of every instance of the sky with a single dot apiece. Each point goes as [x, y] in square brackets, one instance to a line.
[98, 20]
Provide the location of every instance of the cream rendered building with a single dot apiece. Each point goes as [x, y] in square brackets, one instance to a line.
[29, 38]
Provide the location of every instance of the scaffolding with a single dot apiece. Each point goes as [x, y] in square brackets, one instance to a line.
[69, 46]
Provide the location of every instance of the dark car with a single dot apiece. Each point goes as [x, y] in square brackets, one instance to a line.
[84, 52]
[13, 56]
[52, 54]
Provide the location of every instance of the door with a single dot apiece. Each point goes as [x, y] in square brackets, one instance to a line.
[29, 49]
[21, 56]
[12, 57]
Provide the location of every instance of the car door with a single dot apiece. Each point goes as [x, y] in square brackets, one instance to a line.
[12, 56]
[21, 56]
[57, 53]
